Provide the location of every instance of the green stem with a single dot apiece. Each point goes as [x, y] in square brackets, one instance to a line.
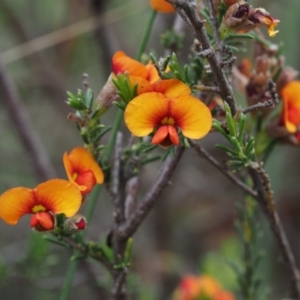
[146, 36]
[96, 192]
[73, 264]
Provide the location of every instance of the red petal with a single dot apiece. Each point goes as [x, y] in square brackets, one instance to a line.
[161, 133]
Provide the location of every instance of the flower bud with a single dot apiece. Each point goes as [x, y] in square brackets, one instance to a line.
[107, 95]
[75, 223]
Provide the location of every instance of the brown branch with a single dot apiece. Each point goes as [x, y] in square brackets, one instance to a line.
[35, 151]
[151, 197]
[186, 9]
[203, 153]
[203, 88]
[215, 29]
[266, 202]
[266, 104]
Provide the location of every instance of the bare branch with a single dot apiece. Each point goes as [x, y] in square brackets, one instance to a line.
[186, 9]
[266, 202]
[151, 197]
[267, 104]
[216, 30]
[35, 151]
[203, 153]
[203, 88]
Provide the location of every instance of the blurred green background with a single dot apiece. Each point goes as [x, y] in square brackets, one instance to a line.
[45, 47]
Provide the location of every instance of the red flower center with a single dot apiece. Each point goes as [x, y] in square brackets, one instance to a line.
[42, 221]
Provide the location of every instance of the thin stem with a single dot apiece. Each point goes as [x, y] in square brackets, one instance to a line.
[35, 151]
[215, 29]
[140, 213]
[203, 153]
[73, 264]
[146, 35]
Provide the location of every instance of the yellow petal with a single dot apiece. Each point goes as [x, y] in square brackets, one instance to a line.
[144, 112]
[191, 115]
[15, 203]
[171, 88]
[58, 196]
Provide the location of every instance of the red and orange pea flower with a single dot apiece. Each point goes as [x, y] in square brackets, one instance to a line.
[52, 197]
[195, 287]
[162, 106]
[161, 6]
[166, 108]
[82, 169]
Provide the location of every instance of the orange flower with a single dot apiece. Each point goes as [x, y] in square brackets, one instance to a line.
[261, 16]
[224, 296]
[165, 109]
[121, 63]
[82, 169]
[52, 197]
[161, 6]
[290, 116]
[192, 288]
[240, 17]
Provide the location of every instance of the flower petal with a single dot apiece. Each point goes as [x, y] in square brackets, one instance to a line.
[161, 6]
[42, 221]
[173, 135]
[58, 196]
[144, 86]
[15, 203]
[171, 88]
[290, 95]
[144, 112]
[122, 63]
[191, 115]
[160, 135]
[80, 160]
[152, 73]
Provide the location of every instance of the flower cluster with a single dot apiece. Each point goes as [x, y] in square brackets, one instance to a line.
[253, 82]
[55, 196]
[203, 287]
[163, 108]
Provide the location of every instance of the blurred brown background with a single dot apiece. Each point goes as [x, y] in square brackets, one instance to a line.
[45, 47]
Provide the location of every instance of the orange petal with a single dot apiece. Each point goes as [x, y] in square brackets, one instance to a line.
[152, 73]
[86, 180]
[58, 196]
[191, 115]
[290, 95]
[161, 6]
[144, 112]
[122, 63]
[42, 221]
[80, 160]
[144, 86]
[15, 203]
[171, 88]
[160, 135]
[173, 135]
